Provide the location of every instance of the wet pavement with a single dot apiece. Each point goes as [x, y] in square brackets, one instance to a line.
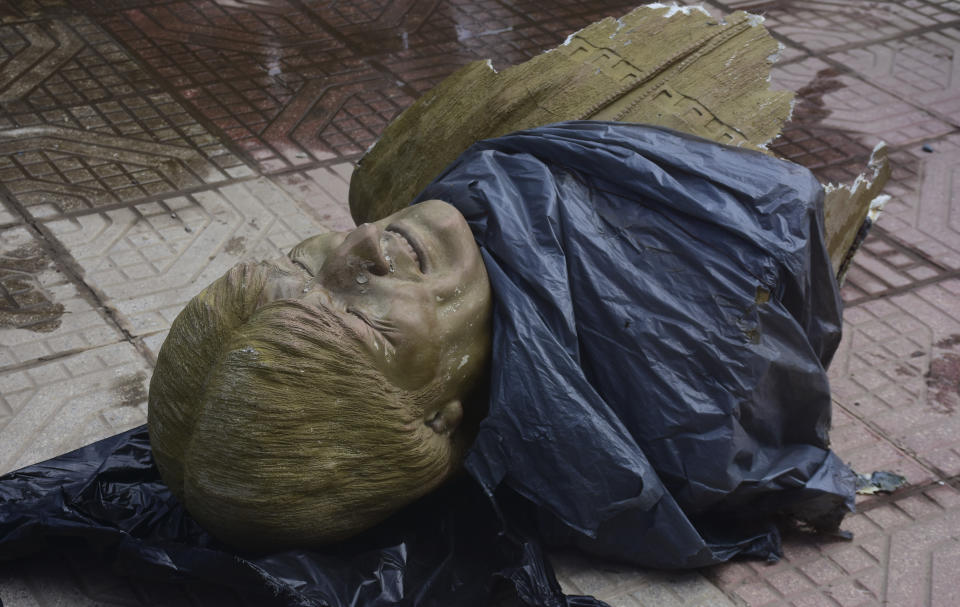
[147, 145]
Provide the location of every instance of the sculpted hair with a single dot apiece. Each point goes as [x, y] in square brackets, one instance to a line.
[273, 427]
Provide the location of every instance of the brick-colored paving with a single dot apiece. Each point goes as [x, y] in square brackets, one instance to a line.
[147, 145]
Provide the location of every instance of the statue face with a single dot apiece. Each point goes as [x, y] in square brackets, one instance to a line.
[412, 286]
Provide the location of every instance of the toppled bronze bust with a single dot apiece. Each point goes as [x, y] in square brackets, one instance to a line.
[301, 400]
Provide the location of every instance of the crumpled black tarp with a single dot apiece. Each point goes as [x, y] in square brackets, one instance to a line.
[664, 313]
[107, 499]
[665, 310]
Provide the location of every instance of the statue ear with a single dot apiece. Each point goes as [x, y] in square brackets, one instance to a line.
[445, 419]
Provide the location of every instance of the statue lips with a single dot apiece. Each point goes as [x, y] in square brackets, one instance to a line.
[409, 245]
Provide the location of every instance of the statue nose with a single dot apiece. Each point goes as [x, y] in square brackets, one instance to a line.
[364, 244]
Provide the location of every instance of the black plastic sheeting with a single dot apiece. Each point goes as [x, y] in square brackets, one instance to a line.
[107, 499]
[664, 312]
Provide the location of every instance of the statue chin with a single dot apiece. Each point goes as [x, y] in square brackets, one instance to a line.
[301, 400]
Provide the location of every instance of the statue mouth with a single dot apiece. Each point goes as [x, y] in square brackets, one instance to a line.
[409, 244]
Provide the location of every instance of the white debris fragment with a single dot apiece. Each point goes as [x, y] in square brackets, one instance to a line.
[676, 8]
[775, 56]
[570, 38]
[755, 20]
[490, 65]
[463, 361]
[620, 26]
[863, 179]
[876, 206]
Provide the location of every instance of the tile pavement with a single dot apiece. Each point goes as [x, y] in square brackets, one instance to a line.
[147, 145]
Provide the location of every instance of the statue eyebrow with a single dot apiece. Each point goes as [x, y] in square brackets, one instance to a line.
[300, 264]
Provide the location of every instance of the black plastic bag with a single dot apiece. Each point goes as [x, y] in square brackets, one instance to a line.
[664, 312]
[107, 499]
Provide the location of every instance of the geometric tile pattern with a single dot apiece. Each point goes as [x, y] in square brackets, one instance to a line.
[925, 211]
[900, 371]
[298, 97]
[7, 215]
[42, 313]
[899, 547]
[270, 77]
[146, 261]
[373, 26]
[624, 586]
[923, 68]
[830, 99]
[81, 125]
[322, 192]
[823, 25]
[53, 407]
[884, 266]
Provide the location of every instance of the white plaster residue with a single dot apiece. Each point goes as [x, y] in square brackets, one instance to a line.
[775, 56]
[876, 206]
[755, 20]
[463, 361]
[620, 26]
[675, 8]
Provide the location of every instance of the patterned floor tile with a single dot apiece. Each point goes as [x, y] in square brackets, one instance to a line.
[819, 25]
[425, 66]
[77, 131]
[542, 12]
[922, 214]
[898, 372]
[13, 11]
[817, 148]
[323, 192]
[197, 43]
[267, 76]
[42, 313]
[148, 260]
[829, 99]
[899, 555]
[8, 216]
[884, 266]
[54, 407]
[63, 62]
[921, 69]
[625, 586]
[376, 26]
